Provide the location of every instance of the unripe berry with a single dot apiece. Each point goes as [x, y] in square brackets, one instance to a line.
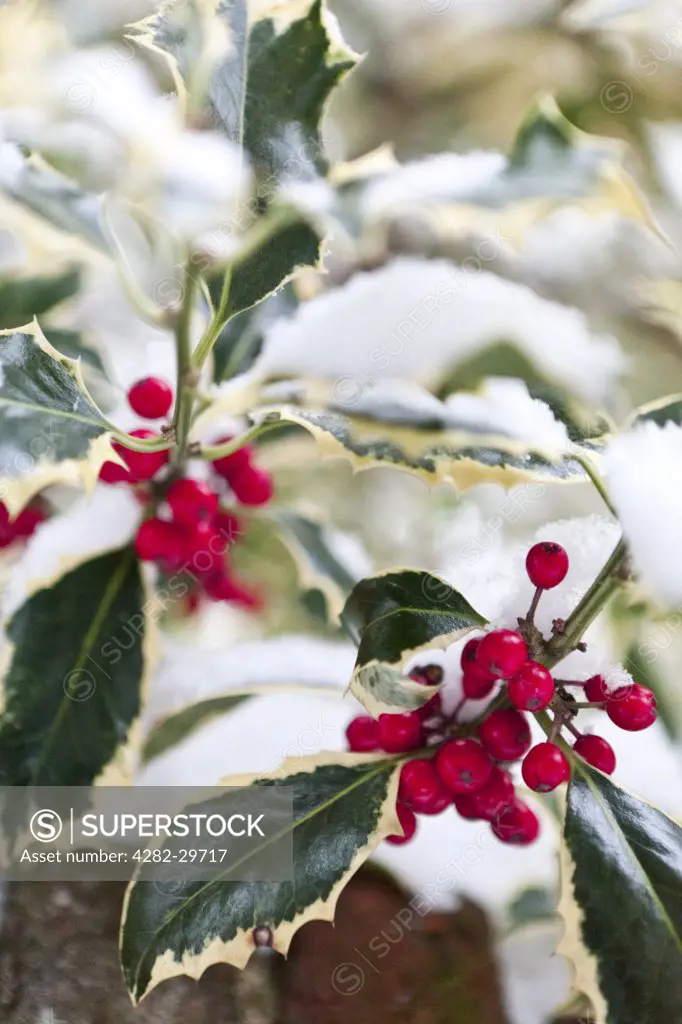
[363, 734]
[532, 688]
[421, 787]
[463, 765]
[150, 397]
[546, 565]
[142, 465]
[408, 823]
[400, 733]
[497, 793]
[229, 465]
[517, 824]
[545, 767]
[596, 690]
[502, 653]
[192, 502]
[505, 734]
[632, 707]
[596, 751]
[251, 486]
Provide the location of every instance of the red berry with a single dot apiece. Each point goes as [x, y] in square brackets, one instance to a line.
[502, 653]
[408, 823]
[465, 805]
[477, 684]
[430, 709]
[517, 824]
[494, 796]
[363, 734]
[160, 541]
[545, 767]
[150, 397]
[192, 501]
[546, 565]
[142, 465]
[463, 765]
[221, 587]
[421, 787]
[532, 688]
[6, 531]
[28, 521]
[469, 652]
[400, 733]
[231, 464]
[427, 675]
[596, 751]
[112, 473]
[596, 690]
[505, 734]
[251, 486]
[632, 707]
[227, 528]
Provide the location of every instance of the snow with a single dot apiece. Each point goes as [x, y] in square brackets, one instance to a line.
[644, 475]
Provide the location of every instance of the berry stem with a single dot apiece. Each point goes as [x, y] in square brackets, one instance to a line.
[588, 704]
[530, 617]
[588, 608]
[591, 471]
[219, 451]
[220, 318]
[185, 389]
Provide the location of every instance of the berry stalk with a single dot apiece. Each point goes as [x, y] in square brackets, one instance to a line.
[185, 390]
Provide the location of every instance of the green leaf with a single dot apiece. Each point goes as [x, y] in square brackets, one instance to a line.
[627, 882]
[433, 447]
[182, 723]
[51, 429]
[241, 340]
[22, 299]
[344, 805]
[73, 345]
[660, 412]
[319, 567]
[57, 199]
[277, 261]
[392, 617]
[73, 681]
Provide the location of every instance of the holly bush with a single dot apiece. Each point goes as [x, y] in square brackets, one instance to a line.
[453, 258]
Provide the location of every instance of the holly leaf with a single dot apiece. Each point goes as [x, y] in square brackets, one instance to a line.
[71, 701]
[431, 445]
[392, 617]
[258, 276]
[627, 883]
[23, 298]
[344, 805]
[241, 340]
[662, 411]
[51, 429]
[319, 567]
[178, 725]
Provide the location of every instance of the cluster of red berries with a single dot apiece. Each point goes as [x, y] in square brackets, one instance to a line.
[24, 526]
[193, 532]
[467, 771]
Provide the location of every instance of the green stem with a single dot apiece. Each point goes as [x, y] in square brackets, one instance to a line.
[186, 383]
[591, 471]
[221, 450]
[587, 610]
[212, 332]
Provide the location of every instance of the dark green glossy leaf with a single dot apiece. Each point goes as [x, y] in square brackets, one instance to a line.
[72, 687]
[51, 429]
[23, 298]
[290, 248]
[241, 340]
[392, 617]
[627, 882]
[343, 806]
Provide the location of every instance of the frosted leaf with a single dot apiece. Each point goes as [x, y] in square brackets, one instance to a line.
[644, 475]
[504, 404]
[416, 319]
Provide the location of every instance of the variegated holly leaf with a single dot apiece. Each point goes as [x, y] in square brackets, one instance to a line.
[268, 96]
[433, 445]
[344, 805]
[75, 662]
[241, 340]
[623, 900]
[392, 617]
[320, 567]
[662, 411]
[178, 725]
[51, 429]
[23, 298]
